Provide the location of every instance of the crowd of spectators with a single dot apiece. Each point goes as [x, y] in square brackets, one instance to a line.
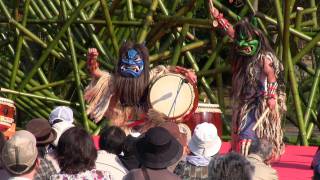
[57, 149]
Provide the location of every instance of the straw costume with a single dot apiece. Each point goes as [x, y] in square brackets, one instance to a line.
[257, 87]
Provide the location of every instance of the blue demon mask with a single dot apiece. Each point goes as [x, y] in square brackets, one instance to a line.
[131, 64]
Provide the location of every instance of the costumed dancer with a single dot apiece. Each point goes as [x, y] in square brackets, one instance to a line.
[257, 86]
[122, 96]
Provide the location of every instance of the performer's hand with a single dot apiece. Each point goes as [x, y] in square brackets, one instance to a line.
[213, 11]
[188, 73]
[92, 64]
[271, 103]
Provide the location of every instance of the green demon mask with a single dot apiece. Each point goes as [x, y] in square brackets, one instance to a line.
[247, 46]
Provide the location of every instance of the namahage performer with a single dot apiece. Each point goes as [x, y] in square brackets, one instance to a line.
[122, 96]
[257, 86]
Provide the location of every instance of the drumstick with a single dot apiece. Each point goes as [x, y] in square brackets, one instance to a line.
[263, 115]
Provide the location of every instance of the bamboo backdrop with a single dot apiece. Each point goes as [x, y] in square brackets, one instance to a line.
[43, 45]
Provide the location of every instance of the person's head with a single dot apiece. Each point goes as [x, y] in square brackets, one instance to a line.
[231, 166]
[249, 40]
[60, 128]
[261, 147]
[132, 74]
[42, 130]
[112, 139]
[76, 151]
[205, 140]
[19, 154]
[158, 149]
[61, 114]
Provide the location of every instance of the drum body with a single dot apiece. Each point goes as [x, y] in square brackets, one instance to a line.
[210, 113]
[173, 95]
[7, 113]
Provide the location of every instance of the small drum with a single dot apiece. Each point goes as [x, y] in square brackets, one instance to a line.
[174, 95]
[7, 113]
[210, 113]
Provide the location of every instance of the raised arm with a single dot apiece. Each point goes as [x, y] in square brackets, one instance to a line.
[272, 84]
[92, 64]
[220, 21]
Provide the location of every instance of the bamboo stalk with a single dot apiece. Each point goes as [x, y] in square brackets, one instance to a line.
[167, 54]
[306, 49]
[18, 48]
[110, 26]
[314, 14]
[298, 23]
[130, 10]
[76, 72]
[280, 25]
[292, 30]
[180, 41]
[314, 89]
[305, 11]
[52, 44]
[54, 84]
[144, 31]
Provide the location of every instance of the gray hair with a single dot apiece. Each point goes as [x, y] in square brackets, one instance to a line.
[262, 147]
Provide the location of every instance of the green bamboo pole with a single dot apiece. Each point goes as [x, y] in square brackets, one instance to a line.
[64, 102]
[307, 48]
[203, 80]
[54, 84]
[260, 23]
[304, 12]
[220, 88]
[18, 48]
[289, 64]
[292, 30]
[280, 25]
[180, 41]
[167, 54]
[26, 31]
[226, 11]
[5, 82]
[314, 14]
[76, 71]
[314, 90]
[110, 26]
[52, 44]
[298, 23]
[130, 10]
[94, 37]
[144, 31]
[215, 71]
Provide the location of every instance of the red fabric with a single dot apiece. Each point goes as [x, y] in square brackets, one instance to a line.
[293, 164]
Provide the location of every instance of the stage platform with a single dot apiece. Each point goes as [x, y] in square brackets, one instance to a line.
[293, 165]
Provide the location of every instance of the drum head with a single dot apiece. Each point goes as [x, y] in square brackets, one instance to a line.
[173, 95]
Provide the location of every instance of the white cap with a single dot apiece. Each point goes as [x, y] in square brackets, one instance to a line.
[63, 113]
[205, 140]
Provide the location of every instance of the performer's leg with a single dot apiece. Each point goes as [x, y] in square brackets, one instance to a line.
[247, 135]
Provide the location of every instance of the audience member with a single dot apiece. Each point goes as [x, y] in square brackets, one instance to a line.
[111, 143]
[3, 172]
[204, 144]
[232, 166]
[20, 156]
[129, 158]
[156, 151]
[60, 119]
[174, 130]
[45, 135]
[260, 153]
[76, 155]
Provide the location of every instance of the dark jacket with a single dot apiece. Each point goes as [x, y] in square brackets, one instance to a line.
[158, 174]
